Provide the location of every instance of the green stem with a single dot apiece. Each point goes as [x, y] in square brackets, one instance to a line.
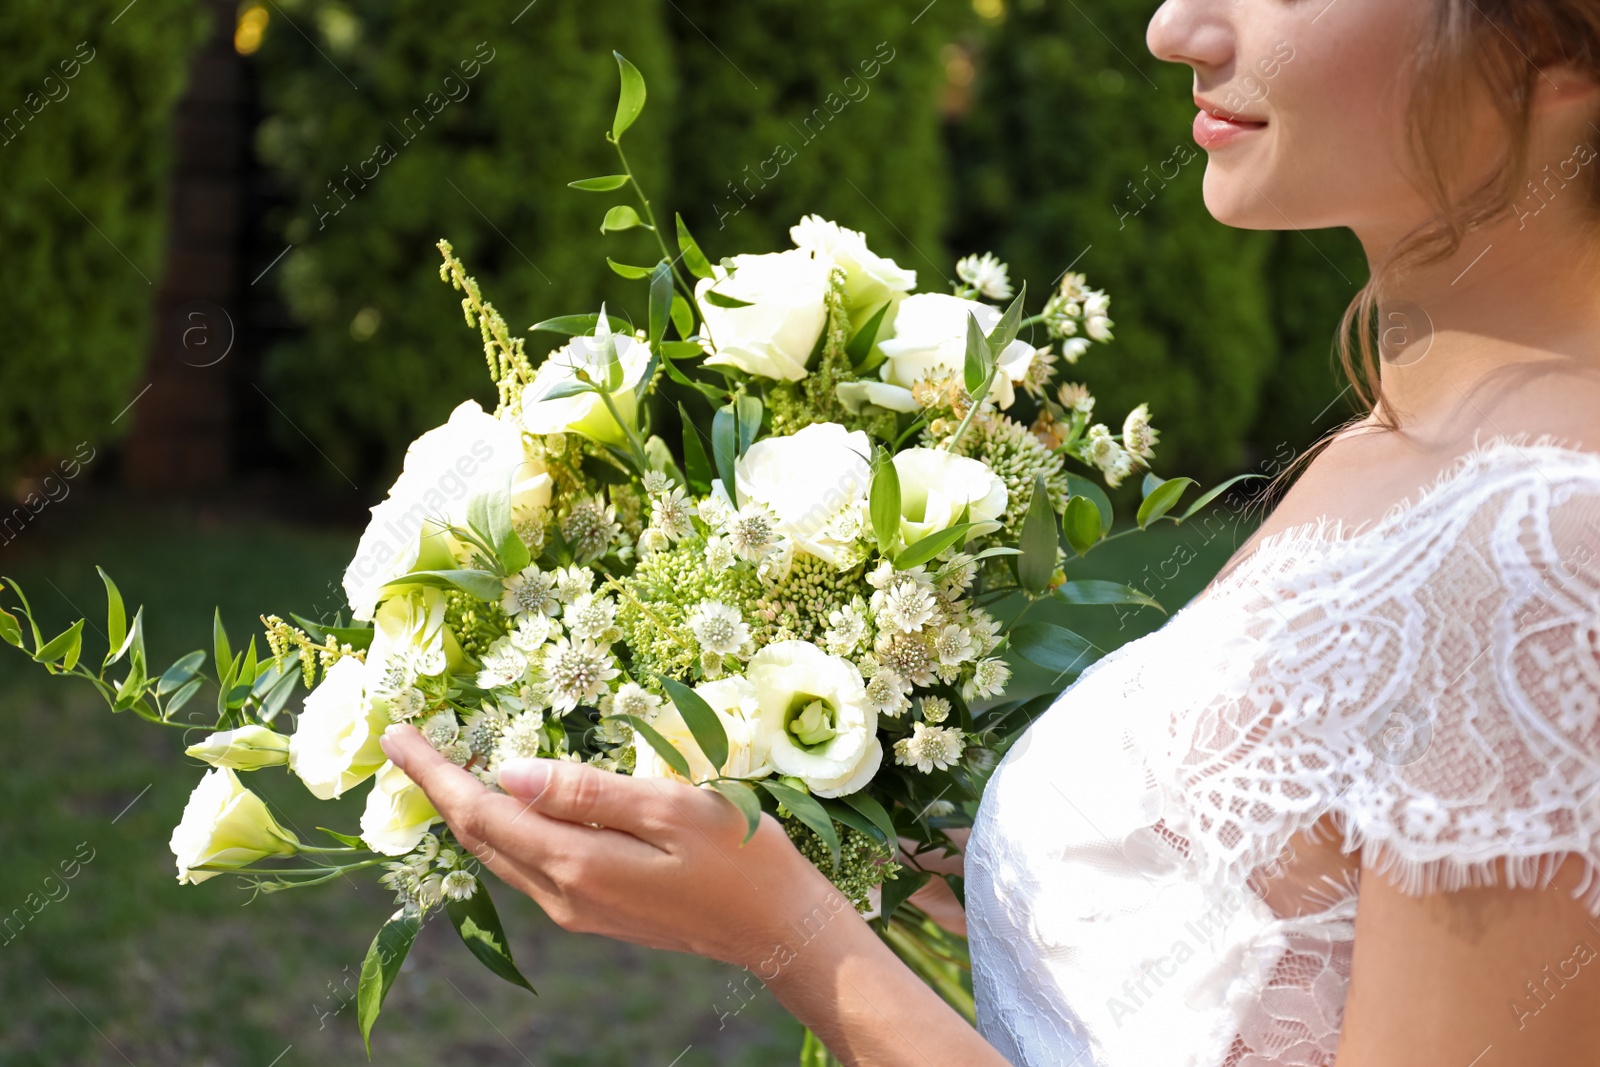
[280, 872]
[977, 402]
[634, 444]
[650, 220]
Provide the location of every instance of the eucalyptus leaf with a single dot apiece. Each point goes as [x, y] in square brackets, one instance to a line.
[1081, 524]
[875, 812]
[660, 301]
[744, 798]
[603, 184]
[804, 807]
[1216, 491]
[481, 585]
[702, 721]
[185, 694]
[1005, 331]
[1037, 564]
[725, 447]
[630, 101]
[860, 345]
[749, 409]
[978, 363]
[476, 920]
[378, 970]
[349, 840]
[682, 317]
[219, 640]
[64, 647]
[1162, 499]
[899, 889]
[10, 629]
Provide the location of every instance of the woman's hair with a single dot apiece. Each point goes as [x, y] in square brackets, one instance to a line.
[1497, 46]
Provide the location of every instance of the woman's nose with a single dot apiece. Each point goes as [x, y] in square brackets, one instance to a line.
[1196, 32]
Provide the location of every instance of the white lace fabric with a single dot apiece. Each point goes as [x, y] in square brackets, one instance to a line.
[1427, 686]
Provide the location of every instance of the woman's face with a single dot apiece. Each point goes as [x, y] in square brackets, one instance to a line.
[1301, 108]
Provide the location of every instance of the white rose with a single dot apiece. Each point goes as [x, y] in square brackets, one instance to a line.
[870, 279]
[816, 718]
[807, 479]
[930, 343]
[444, 469]
[937, 486]
[397, 813]
[734, 701]
[775, 335]
[225, 825]
[586, 412]
[335, 746]
[249, 748]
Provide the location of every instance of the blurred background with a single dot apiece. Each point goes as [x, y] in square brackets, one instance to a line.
[223, 323]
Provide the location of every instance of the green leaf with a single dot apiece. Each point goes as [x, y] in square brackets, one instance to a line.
[663, 747]
[65, 647]
[1161, 500]
[660, 301]
[248, 672]
[281, 689]
[749, 409]
[179, 674]
[900, 888]
[1091, 591]
[683, 318]
[604, 184]
[345, 839]
[716, 299]
[1212, 494]
[805, 808]
[357, 637]
[848, 816]
[744, 798]
[1078, 485]
[1005, 331]
[629, 272]
[693, 258]
[1055, 648]
[678, 350]
[10, 629]
[183, 696]
[725, 447]
[481, 585]
[132, 687]
[219, 641]
[630, 101]
[1081, 523]
[579, 325]
[133, 643]
[476, 920]
[618, 218]
[860, 346]
[979, 363]
[383, 962]
[1037, 564]
[702, 722]
[696, 467]
[602, 472]
[116, 614]
[875, 812]
[885, 503]
[923, 550]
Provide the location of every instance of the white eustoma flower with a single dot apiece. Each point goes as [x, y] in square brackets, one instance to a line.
[225, 825]
[937, 486]
[930, 344]
[816, 718]
[774, 336]
[472, 454]
[248, 748]
[738, 709]
[397, 815]
[586, 412]
[335, 745]
[870, 279]
[808, 480]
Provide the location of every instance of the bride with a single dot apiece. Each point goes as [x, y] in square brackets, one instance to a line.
[1345, 806]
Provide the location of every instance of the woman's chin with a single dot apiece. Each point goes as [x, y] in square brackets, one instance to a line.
[1236, 198]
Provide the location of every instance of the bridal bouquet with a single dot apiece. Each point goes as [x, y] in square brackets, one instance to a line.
[791, 607]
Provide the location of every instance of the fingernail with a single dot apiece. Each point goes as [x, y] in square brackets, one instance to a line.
[525, 778]
[389, 749]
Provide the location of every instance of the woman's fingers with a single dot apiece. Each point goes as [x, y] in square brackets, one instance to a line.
[647, 808]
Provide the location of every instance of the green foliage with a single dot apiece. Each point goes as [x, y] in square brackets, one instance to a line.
[485, 160]
[85, 108]
[1079, 143]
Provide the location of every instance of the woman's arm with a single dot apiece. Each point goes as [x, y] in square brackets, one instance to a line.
[1485, 976]
[664, 864]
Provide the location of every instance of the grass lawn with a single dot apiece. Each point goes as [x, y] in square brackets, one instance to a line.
[118, 964]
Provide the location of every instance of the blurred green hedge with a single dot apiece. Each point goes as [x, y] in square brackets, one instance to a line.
[86, 99]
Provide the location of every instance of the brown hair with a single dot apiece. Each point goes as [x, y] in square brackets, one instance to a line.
[1498, 45]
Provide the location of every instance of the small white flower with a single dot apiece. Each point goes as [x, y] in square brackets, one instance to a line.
[407, 704]
[672, 514]
[752, 532]
[847, 629]
[776, 564]
[504, 664]
[1105, 453]
[881, 575]
[986, 274]
[1138, 436]
[930, 747]
[905, 607]
[719, 627]
[459, 885]
[989, 678]
[631, 698]
[441, 729]
[935, 710]
[656, 482]
[573, 582]
[523, 738]
[954, 645]
[719, 554]
[591, 617]
[887, 694]
[578, 672]
[653, 539]
[529, 592]
[531, 632]
[1073, 349]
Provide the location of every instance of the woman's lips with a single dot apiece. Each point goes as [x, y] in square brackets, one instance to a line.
[1212, 131]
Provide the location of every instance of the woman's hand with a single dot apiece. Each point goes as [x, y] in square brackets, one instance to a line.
[936, 899]
[655, 862]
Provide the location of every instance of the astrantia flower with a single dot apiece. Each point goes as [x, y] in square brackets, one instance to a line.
[904, 607]
[719, 554]
[631, 698]
[1105, 453]
[989, 678]
[656, 482]
[407, 704]
[718, 627]
[886, 693]
[573, 582]
[930, 747]
[529, 592]
[954, 645]
[907, 656]
[503, 664]
[593, 618]
[672, 513]
[523, 738]
[577, 672]
[441, 729]
[459, 885]
[1138, 436]
[653, 539]
[986, 274]
[935, 710]
[815, 715]
[847, 629]
[1075, 397]
[591, 527]
[532, 631]
[752, 532]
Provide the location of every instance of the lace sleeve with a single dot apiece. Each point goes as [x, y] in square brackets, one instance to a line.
[1488, 762]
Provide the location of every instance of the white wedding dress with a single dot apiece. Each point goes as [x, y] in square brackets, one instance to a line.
[1430, 682]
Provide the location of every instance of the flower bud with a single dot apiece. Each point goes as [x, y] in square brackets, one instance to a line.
[249, 748]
